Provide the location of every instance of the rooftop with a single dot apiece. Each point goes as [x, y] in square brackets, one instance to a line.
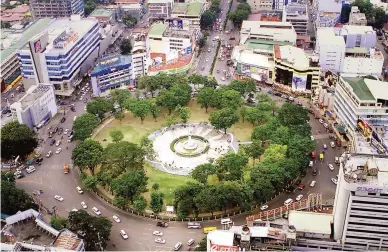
[311, 222]
[254, 59]
[159, 1]
[18, 9]
[126, 1]
[253, 25]
[356, 29]
[221, 237]
[31, 31]
[194, 9]
[328, 36]
[115, 61]
[101, 13]
[360, 88]
[294, 56]
[157, 29]
[67, 240]
[33, 94]
[262, 44]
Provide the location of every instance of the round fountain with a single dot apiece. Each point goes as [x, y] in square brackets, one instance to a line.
[190, 144]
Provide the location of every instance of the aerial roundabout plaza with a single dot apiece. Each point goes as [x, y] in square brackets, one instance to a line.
[180, 148]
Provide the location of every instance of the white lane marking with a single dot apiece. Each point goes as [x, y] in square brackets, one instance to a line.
[51, 187]
[102, 207]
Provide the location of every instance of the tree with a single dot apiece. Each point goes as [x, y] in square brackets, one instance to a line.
[170, 120]
[223, 119]
[197, 79]
[130, 185]
[183, 113]
[58, 223]
[254, 150]
[243, 113]
[202, 245]
[243, 86]
[140, 109]
[156, 203]
[120, 202]
[129, 20]
[90, 182]
[238, 16]
[184, 200]
[244, 6]
[379, 18]
[155, 186]
[207, 199]
[17, 140]
[95, 231]
[140, 204]
[119, 116]
[14, 199]
[154, 109]
[126, 47]
[84, 125]
[230, 166]
[8, 176]
[261, 186]
[202, 42]
[147, 147]
[120, 95]
[167, 99]
[100, 106]
[211, 82]
[150, 83]
[89, 7]
[256, 116]
[231, 99]
[201, 172]
[87, 155]
[116, 135]
[291, 115]
[281, 136]
[124, 156]
[205, 96]
[229, 194]
[207, 19]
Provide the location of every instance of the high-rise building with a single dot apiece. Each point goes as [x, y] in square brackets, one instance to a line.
[326, 13]
[296, 14]
[56, 8]
[361, 202]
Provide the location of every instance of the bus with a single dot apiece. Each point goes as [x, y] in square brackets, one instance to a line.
[206, 230]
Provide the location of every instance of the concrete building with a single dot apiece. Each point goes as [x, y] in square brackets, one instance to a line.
[361, 202]
[296, 14]
[15, 15]
[103, 15]
[56, 8]
[11, 41]
[326, 13]
[36, 107]
[356, 17]
[294, 69]
[61, 55]
[139, 59]
[160, 9]
[361, 98]
[358, 36]
[110, 73]
[134, 9]
[170, 50]
[272, 31]
[190, 13]
[259, 5]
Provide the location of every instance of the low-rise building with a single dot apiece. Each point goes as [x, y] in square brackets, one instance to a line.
[110, 73]
[190, 14]
[103, 15]
[296, 14]
[356, 17]
[159, 9]
[264, 30]
[326, 13]
[36, 107]
[15, 15]
[259, 5]
[55, 9]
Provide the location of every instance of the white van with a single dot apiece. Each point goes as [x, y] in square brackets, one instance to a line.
[226, 221]
[193, 225]
[75, 118]
[288, 202]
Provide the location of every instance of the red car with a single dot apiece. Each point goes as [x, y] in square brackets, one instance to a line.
[301, 187]
[313, 154]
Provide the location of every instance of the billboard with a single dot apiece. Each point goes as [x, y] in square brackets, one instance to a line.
[259, 74]
[37, 46]
[378, 143]
[176, 24]
[364, 128]
[222, 248]
[172, 55]
[187, 50]
[276, 234]
[299, 81]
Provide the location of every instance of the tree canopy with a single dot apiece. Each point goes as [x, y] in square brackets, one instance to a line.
[14, 199]
[223, 118]
[99, 106]
[126, 46]
[87, 155]
[84, 125]
[124, 156]
[129, 20]
[130, 185]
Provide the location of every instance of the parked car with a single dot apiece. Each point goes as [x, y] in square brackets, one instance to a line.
[79, 190]
[58, 143]
[63, 119]
[331, 167]
[332, 144]
[52, 142]
[58, 151]
[299, 197]
[177, 246]
[30, 169]
[312, 184]
[301, 186]
[321, 120]
[59, 198]
[49, 154]
[264, 207]
[162, 224]
[160, 240]
[288, 202]
[335, 181]
[96, 211]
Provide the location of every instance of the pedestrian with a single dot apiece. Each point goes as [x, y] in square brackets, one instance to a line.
[67, 148]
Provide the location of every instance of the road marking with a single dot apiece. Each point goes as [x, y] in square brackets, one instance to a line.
[102, 207]
[51, 187]
[145, 233]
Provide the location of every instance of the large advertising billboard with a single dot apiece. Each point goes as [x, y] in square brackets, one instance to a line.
[276, 234]
[221, 248]
[176, 24]
[378, 143]
[364, 128]
[299, 81]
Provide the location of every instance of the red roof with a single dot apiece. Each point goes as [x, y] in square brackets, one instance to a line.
[11, 17]
[127, 1]
[19, 9]
[277, 51]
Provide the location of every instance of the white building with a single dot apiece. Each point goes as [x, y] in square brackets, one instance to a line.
[361, 202]
[259, 5]
[356, 17]
[361, 98]
[331, 50]
[139, 59]
[326, 13]
[36, 107]
[62, 54]
[296, 14]
[190, 13]
[160, 9]
[272, 31]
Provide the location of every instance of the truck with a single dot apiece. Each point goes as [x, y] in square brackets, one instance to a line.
[66, 168]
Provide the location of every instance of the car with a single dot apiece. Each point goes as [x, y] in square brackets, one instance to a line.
[321, 120]
[58, 151]
[30, 169]
[324, 146]
[208, 50]
[326, 125]
[158, 233]
[335, 181]
[301, 186]
[312, 138]
[72, 109]
[162, 224]
[160, 240]
[66, 131]
[58, 143]
[207, 60]
[263, 207]
[49, 154]
[223, 78]
[85, 108]
[52, 142]
[312, 184]
[332, 144]
[83, 204]
[123, 234]
[79, 190]
[288, 202]
[190, 242]
[315, 172]
[63, 119]
[19, 175]
[177, 246]
[116, 218]
[303, 173]
[96, 211]
[299, 197]
[336, 160]
[311, 163]
[331, 167]
[59, 198]
[60, 130]
[39, 160]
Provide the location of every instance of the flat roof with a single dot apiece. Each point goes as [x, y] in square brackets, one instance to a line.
[311, 222]
[33, 94]
[158, 1]
[31, 31]
[356, 29]
[379, 89]
[67, 240]
[109, 62]
[250, 58]
[157, 29]
[101, 13]
[221, 237]
[295, 56]
[195, 8]
[328, 36]
[360, 88]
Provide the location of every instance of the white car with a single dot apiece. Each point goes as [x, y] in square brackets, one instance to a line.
[325, 146]
[312, 184]
[312, 138]
[311, 163]
[83, 204]
[30, 169]
[66, 131]
[331, 167]
[85, 108]
[326, 125]
[207, 60]
[208, 50]
[58, 150]
[160, 240]
[264, 207]
[332, 144]
[223, 78]
[116, 218]
[96, 211]
[288, 202]
[79, 190]
[59, 198]
[158, 233]
[74, 210]
[321, 121]
[49, 154]
[123, 234]
[58, 143]
[300, 196]
[335, 181]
